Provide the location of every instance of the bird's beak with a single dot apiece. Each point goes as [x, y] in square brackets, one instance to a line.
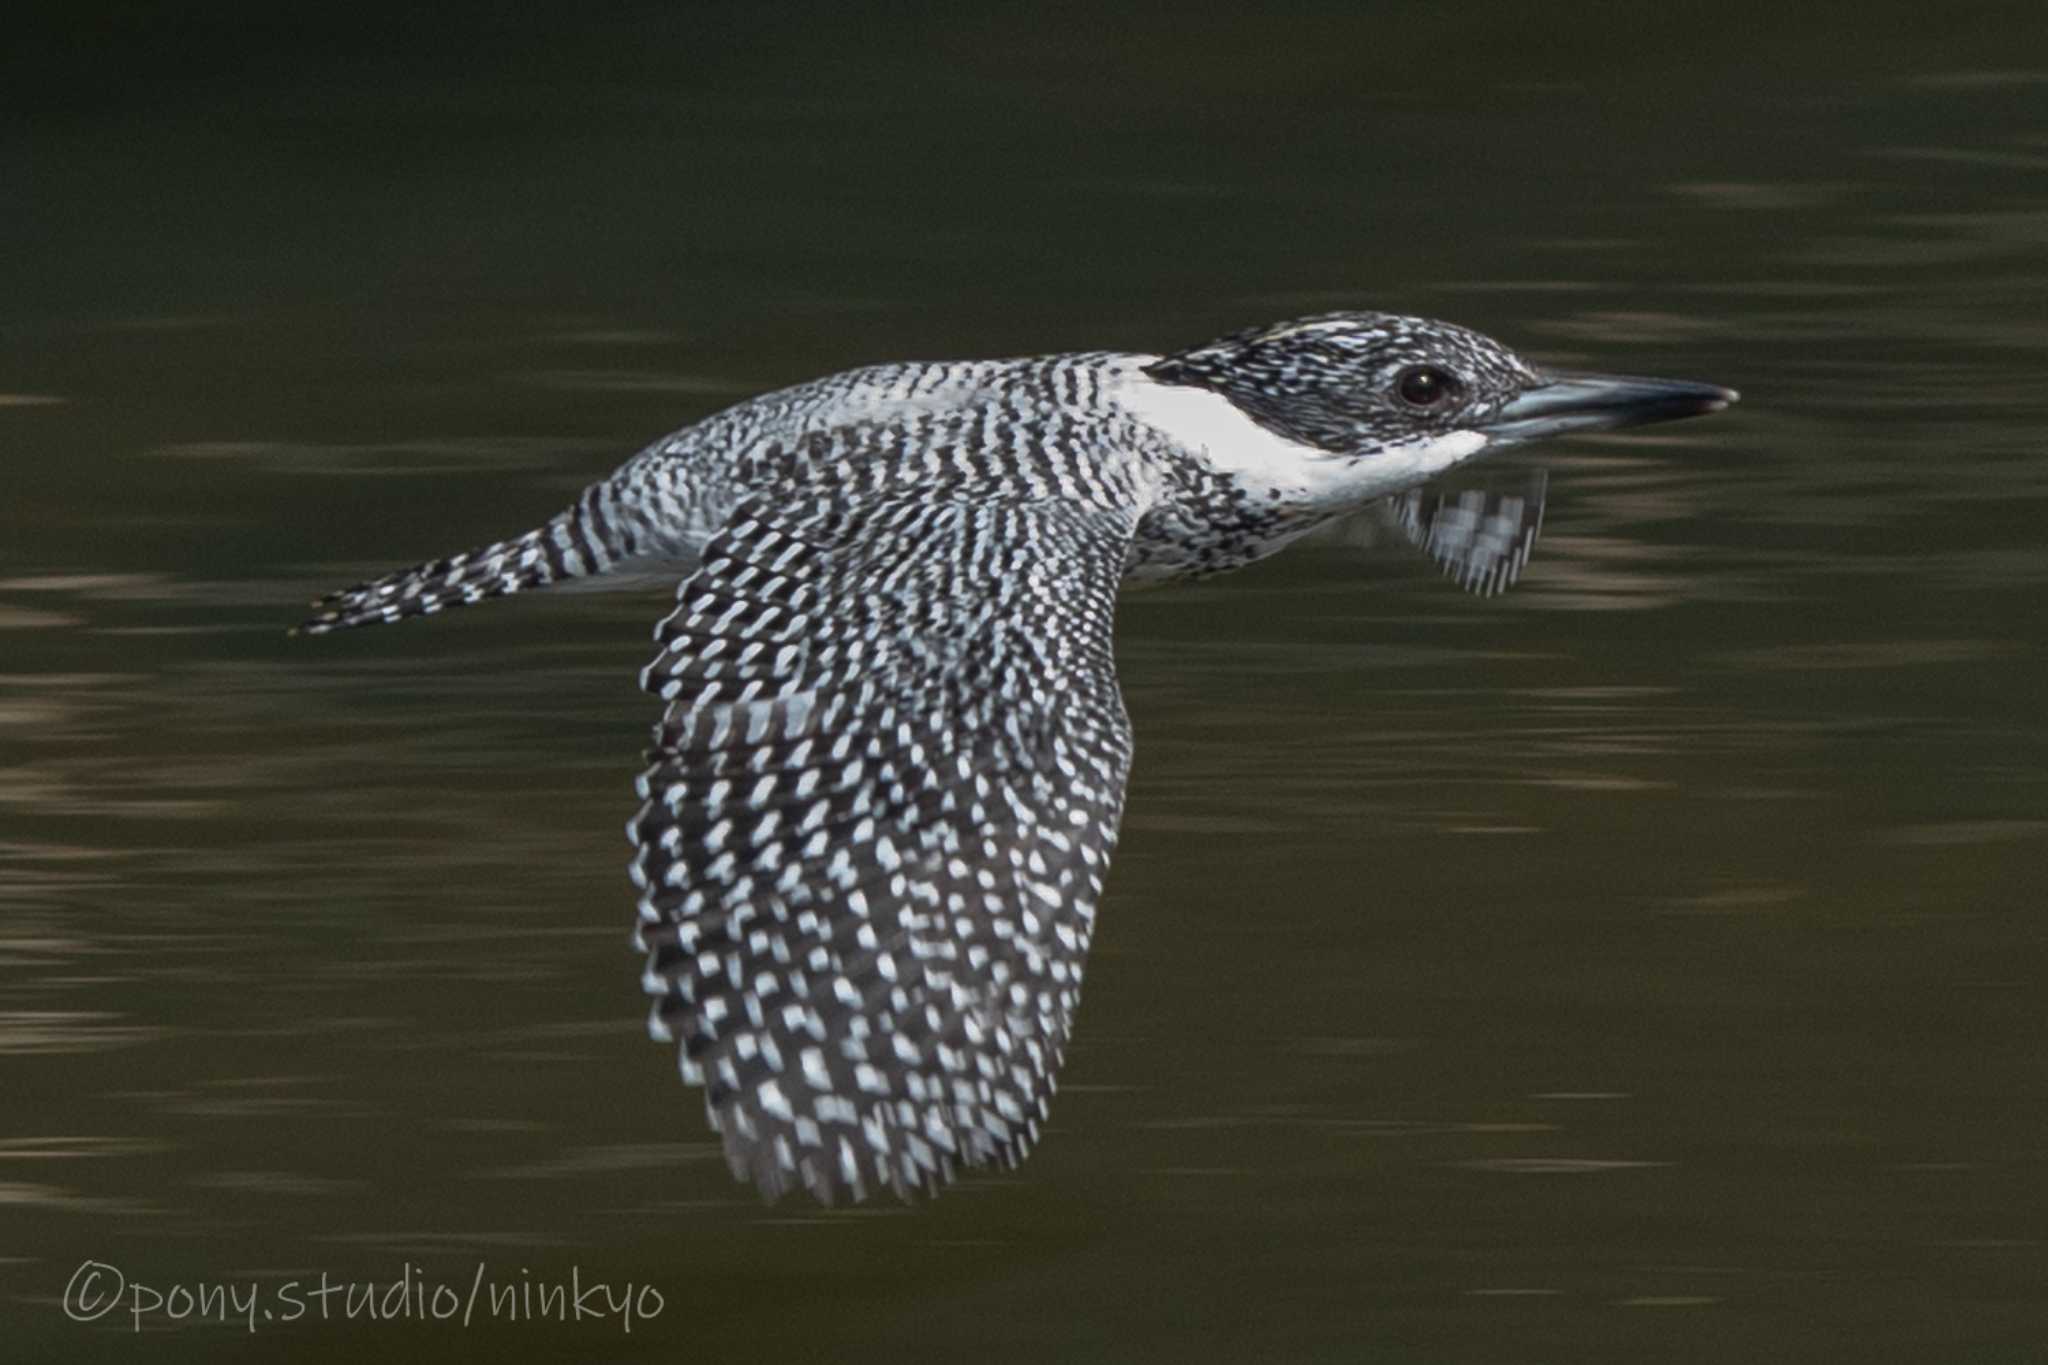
[1565, 402]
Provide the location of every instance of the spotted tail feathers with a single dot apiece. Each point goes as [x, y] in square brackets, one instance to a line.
[589, 538]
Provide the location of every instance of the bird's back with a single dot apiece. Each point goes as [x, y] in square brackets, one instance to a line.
[1020, 428]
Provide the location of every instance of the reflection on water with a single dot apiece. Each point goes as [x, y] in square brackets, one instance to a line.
[1664, 935]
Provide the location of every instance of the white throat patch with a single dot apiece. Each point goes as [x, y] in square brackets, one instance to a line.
[1230, 442]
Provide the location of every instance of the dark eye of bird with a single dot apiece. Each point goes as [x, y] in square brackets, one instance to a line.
[1424, 386]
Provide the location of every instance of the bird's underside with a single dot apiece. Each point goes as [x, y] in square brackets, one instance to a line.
[885, 785]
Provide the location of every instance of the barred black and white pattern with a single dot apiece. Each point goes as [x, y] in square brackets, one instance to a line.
[1480, 537]
[891, 761]
[881, 808]
[547, 554]
[608, 530]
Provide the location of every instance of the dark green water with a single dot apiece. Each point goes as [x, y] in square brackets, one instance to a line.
[1646, 965]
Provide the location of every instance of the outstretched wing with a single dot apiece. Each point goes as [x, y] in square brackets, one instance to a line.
[881, 806]
[1479, 536]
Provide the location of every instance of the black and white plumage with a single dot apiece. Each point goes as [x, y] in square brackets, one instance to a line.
[1481, 538]
[887, 778]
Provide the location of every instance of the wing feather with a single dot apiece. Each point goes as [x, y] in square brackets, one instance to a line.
[1479, 536]
[878, 813]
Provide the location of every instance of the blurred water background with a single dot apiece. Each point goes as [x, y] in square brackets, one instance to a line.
[1645, 965]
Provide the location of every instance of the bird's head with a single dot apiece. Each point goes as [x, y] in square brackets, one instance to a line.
[1414, 393]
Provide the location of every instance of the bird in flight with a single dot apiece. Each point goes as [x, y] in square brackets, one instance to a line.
[891, 758]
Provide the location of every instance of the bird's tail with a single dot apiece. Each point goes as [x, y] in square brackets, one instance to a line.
[589, 538]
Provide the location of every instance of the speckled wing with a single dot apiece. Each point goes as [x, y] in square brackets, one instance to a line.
[1480, 536]
[881, 806]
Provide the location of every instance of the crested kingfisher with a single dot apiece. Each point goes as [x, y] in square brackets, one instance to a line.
[886, 780]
